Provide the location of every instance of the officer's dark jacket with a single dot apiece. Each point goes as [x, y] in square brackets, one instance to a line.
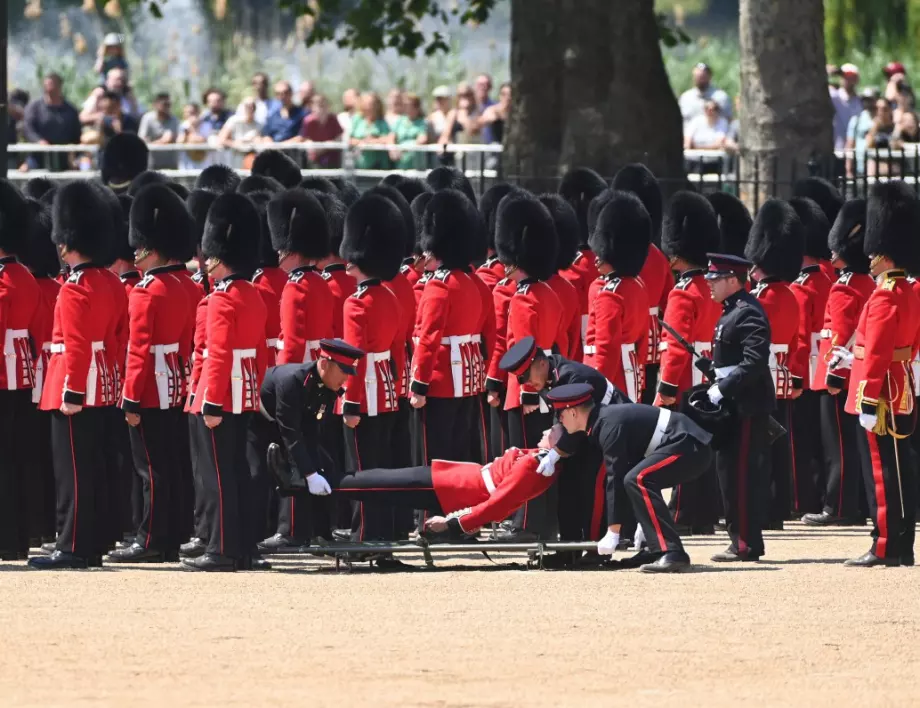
[564, 371]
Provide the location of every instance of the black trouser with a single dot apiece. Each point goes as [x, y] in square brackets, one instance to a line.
[441, 430]
[41, 477]
[699, 501]
[808, 479]
[120, 478]
[498, 428]
[891, 486]
[261, 433]
[480, 435]
[651, 384]
[184, 484]
[334, 443]
[226, 486]
[16, 467]
[407, 488]
[744, 474]
[840, 434]
[77, 444]
[199, 520]
[669, 465]
[157, 462]
[369, 446]
[541, 514]
[581, 484]
[782, 465]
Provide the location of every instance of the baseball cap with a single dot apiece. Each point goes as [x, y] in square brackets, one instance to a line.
[851, 69]
[703, 66]
[894, 67]
[441, 91]
[112, 40]
[869, 93]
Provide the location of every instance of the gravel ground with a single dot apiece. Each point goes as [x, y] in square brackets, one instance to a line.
[795, 629]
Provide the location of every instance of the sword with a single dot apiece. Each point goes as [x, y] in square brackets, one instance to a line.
[704, 364]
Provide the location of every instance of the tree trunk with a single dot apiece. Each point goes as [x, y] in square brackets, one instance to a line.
[786, 114]
[4, 111]
[589, 89]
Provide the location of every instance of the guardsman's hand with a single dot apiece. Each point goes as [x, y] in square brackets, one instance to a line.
[436, 524]
[352, 420]
[665, 401]
[833, 391]
[134, 419]
[796, 392]
[493, 399]
[418, 401]
[70, 408]
[212, 421]
[528, 409]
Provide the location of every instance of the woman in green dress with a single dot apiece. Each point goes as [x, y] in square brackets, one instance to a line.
[411, 129]
[370, 128]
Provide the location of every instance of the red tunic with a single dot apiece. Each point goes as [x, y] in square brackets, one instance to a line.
[158, 310]
[486, 330]
[20, 296]
[129, 279]
[447, 355]
[235, 356]
[658, 279]
[618, 332]
[307, 307]
[477, 495]
[341, 285]
[270, 283]
[418, 287]
[42, 329]
[402, 289]
[693, 313]
[491, 272]
[569, 337]
[200, 347]
[811, 290]
[581, 274]
[501, 301]
[887, 338]
[82, 365]
[828, 269]
[845, 303]
[194, 297]
[204, 283]
[372, 323]
[118, 342]
[782, 310]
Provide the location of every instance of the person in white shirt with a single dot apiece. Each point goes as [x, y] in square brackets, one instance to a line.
[349, 105]
[693, 100]
[847, 103]
[707, 131]
[264, 103]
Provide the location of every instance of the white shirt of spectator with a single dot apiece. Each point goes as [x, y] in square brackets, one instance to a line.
[704, 135]
[261, 111]
[345, 121]
[693, 100]
[243, 132]
[127, 107]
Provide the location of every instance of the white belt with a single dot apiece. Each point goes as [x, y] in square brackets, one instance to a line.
[826, 333]
[312, 346]
[487, 479]
[274, 343]
[370, 380]
[779, 348]
[590, 349]
[166, 374]
[813, 356]
[456, 343]
[628, 356]
[664, 415]
[59, 348]
[40, 373]
[653, 311]
[723, 371]
[238, 378]
[9, 351]
[608, 394]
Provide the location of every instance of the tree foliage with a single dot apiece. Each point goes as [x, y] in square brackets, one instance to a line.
[862, 25]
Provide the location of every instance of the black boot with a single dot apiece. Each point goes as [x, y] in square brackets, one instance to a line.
[732, 555]
[136, 553]
[59, 560]
[670, 562]
[279, 544]
[193, 549]
[870, 560]
[825, 519]
[210, 562]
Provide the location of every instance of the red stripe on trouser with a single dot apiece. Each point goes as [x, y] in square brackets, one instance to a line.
[140, 429]
[291, 529]
[677, 504]
[881, 500]
[526, 446]
[220, 493]
[743, 446]
[648, 500]
[598, 510]
[840, 445]
[76, 488]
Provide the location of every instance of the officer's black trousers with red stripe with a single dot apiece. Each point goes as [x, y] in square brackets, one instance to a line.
[844, 494]
[808, 468]
[891, 488]
[16, 468]
[407, 487]
[672, 464]
[743, 466]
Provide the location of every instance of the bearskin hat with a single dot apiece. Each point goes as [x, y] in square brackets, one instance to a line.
[846, 237]
[317, 183]
[144, 178]
[259, 183]
[638, 179]
[893, 224]
[36, 187]
[218, 179]
[198, 203]
[488, 205]
[274, 163]
[268, 257]
[595, 207]
[180, 190]
[298, 224]
[125, 156]
[15, 219]
[374, 236]
[40, 256]
[48, 197]
[816, 226]
[777, 241]
[578, 187]
[82, 221]
[122, 246]
[451, 229]
[443, 177]
[335, 211]
[159, 221]
[409, 187]
[567, 229]
[525, 235]
[118, 218]
[418, 206]
[623, 233]
[689, 229]
[734, 222]
[231, 232]
[825, 194]
[395, 196]
[348, 192]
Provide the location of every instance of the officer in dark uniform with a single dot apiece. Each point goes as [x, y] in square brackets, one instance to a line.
[645, 450]
[744, 384]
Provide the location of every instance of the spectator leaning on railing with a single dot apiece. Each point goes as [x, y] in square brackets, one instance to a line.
[190, 134]
[321, 126]
[411, 129]
[692, 101]
[244, 128]
[283, 123]
[51, 120]
[350, 98]
[116, 83]
[395, 108]
[846, 103]
[370, 128]
[264, 104]
[437, 119]
[160, 127]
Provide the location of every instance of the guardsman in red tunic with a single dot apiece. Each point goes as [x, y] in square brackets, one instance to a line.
[734, 222]
[776, 247]
[81, 380]
[372, 247]
[880, 391]
[269, 278]
[844, 494]
[124, 266]
[567, 237]
[829, 199]
[151, 397]
[579, 187]
[618, 322]
[227, 392]
[198, 203]
[447, 361]
[492, 270]
[811, 290]
[19, 316]
[124, 158]
[689, 231]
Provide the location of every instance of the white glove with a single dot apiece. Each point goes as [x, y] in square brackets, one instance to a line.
[547, 465]
[841, 358]
[318, 485]
[638, 539]
[715, 395]
[868, 421]
[608, 544]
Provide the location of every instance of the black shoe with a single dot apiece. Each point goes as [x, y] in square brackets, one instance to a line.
[825, 519]
[172, 556]
[279, 544]
[136, 553]
[907, 560]
[504, 535]
[210, 562]
[59, 560]
[94, 561]
[388, 562]
[641, 558]
[703, 530]
[561, 560]
[731, 555]
[773, 526]
[193, 549]
[870, 560]
[341, 535]
[253, 561]
[670, 562]
[48, 548]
